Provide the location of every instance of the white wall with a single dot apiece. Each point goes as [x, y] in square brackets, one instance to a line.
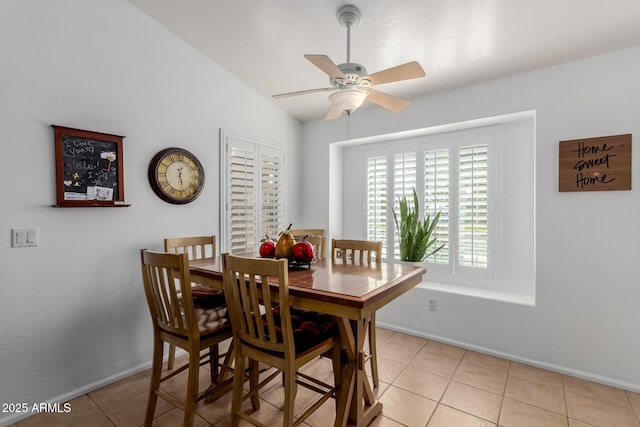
[587, 295]
[72, 310]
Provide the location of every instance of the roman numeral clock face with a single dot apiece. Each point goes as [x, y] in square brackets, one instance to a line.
[176, 175]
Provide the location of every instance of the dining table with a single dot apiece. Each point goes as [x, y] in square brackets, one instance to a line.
[353, 293]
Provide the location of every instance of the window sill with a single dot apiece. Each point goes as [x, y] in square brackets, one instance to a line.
[522, 299]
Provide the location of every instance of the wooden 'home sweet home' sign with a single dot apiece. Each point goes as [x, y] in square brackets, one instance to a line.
[596, 164]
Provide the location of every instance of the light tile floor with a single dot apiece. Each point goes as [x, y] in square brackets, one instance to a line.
[423, 383]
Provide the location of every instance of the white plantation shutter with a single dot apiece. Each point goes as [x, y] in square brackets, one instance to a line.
[404, 181]
[272, 195]
[436, 199]
[473, 189]
[451, 175]
[253, 191]
[241, 200]
[377, 201]
[404, 175]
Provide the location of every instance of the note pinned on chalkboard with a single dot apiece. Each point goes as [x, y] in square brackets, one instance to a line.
[88, 168]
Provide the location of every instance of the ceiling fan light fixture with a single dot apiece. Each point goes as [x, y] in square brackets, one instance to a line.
[350, 82]
[348, 99]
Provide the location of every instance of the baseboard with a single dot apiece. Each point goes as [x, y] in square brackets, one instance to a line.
[538, 364]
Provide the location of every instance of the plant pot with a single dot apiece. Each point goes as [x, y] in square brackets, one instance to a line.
[413, 263]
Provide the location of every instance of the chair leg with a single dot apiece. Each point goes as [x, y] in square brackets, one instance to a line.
[228, 359]
[238, 384]
[156, 373]
[373, 350]
[336, 360]
[290, 390]
[172, 356]
[254, 379]
[214, 363]
[192, 388]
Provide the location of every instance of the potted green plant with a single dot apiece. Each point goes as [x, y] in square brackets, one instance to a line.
[416, 243]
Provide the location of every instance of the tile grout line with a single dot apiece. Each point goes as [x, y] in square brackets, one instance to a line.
[479, 388]
[504, 395]
[101, 411]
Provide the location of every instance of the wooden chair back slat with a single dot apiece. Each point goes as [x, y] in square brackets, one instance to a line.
[196, 247]
[356, 251]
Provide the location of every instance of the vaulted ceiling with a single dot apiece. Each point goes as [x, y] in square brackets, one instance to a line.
[457, 42]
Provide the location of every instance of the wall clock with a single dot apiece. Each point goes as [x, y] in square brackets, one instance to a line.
[176, 175]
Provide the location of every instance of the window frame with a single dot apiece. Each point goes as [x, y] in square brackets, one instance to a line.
[451, 273]
[259, 147]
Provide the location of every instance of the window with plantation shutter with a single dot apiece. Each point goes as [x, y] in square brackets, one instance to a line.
[252, 190]
[451, 175]
[479, 175]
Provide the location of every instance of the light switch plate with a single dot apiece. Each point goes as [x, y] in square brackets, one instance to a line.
[24, 237]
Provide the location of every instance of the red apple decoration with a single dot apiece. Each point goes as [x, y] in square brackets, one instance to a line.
[267, 248]
[303, 251]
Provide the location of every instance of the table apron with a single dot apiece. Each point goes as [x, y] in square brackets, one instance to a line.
[334, 308]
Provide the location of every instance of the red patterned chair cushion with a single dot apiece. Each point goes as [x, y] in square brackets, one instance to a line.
[309, 327]
[206, 297]
[210, 307]
[214, 319]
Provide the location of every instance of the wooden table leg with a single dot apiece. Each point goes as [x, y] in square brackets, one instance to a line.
[356, 405]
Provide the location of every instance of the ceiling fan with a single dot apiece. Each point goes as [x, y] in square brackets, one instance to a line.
[350, 83]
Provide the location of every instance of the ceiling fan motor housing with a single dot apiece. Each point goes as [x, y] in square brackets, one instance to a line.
[354, 74]
[351, 68]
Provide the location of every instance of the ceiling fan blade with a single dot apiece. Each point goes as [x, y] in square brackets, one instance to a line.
[410, 70]
[303, 92]
[327, 65]
[333, 113]
[387, 101]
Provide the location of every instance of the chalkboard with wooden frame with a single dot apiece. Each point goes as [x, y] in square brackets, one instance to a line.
[89, 168]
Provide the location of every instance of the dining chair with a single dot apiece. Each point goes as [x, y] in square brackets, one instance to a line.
[362, 252]
[196, 247]
[175, 320]
[310, 231]
[299, 234]
[282, 337]
[357, 251]
[318, 244]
